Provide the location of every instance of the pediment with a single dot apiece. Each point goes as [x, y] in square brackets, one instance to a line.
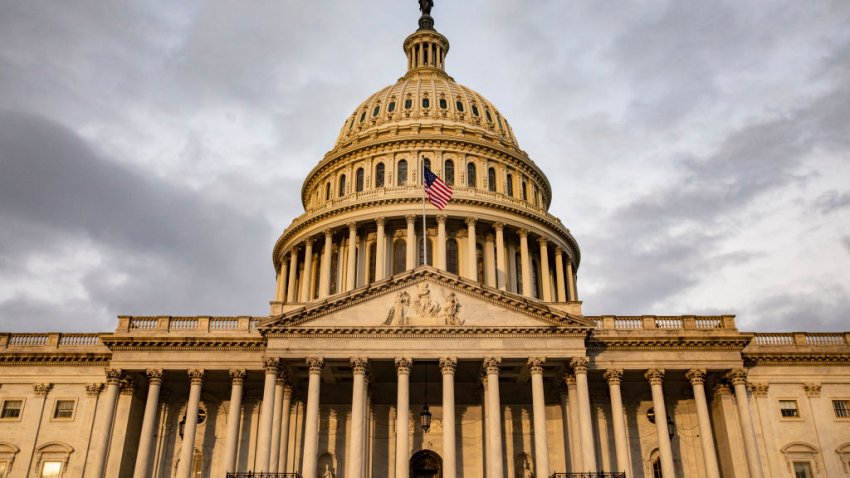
[427, 298]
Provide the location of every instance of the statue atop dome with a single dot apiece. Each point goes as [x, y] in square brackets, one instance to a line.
[425, 6]
[426, 22]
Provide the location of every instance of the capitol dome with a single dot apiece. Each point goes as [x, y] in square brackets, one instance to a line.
[363, 202]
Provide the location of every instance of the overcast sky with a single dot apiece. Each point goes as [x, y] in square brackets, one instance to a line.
[151, 152]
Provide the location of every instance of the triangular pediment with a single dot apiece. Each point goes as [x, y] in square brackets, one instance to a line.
[426, 297]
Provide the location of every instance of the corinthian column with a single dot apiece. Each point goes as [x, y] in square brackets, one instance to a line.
[655, 378]
[110, 399]
[494, 464]
[541, 444]
[571, 280]
[234, 414]
[187, 449]
[559, 275]
[544, 269]
[402, 366]
[311, 418]
[614, 376]
[264, 434]
[380, 250]
[351, 270]
[441, 242]
[358, 393]
[471, 250]
[280, 385]
[291, 291]
[738, 378]
[143, 455]
[447, 367]
[709, 456]
[410, 260]
[526, 263]
[501, 269]
[576, 453]
[325, 271]
[579, 365]
[306, 283]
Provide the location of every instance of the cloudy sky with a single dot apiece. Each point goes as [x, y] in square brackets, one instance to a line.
[151, 152]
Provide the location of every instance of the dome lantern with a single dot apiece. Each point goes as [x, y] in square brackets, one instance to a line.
[426, 48]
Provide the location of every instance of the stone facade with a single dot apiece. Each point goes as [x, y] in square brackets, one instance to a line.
[487, 335]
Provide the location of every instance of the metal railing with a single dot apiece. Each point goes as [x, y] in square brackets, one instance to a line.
[258, 474]
[590, 474]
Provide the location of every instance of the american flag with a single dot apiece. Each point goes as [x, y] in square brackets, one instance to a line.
[438, 192]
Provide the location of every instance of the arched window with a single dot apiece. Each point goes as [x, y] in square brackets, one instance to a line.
[449, 172]
[451, 256]
[491, 179]
[427, 163]
[402, 173]
[470, 174]
[510, 185]
[328, 191]
[379, 175]
[399, 256]
[341, 192]
[373, 259]
[358, 180]
[430, 252]
[524, 191]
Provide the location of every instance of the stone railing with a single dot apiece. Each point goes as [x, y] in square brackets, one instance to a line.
[199, 324]
[798, 339]
[50, 340]
[653, 322]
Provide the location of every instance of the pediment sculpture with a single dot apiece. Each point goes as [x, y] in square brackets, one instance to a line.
[425, 307]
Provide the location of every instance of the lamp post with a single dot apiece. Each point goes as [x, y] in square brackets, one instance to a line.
[425, 414]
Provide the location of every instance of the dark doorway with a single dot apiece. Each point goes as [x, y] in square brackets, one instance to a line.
[426, 464]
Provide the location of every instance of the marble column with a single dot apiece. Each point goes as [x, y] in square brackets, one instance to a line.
[485, 415]
[351, 271]
[738, 378]
[621, 444]
[494, 463]
[284, 427]
[110, 400]
[277, 421]
[526, 262]
[280, 291]
[311, 418]
[410, 258]
[291, 292]
[559, 275]
[187, 447]
[544, 269]
[306, 283]
[709, 455]
[402, 366]
[538, 399]
[665, 450]
[358, 392]
[143, 453]
[447, 367]
[380, 249]
[325, 271]
[501, 268]
[588, 459]
[471, 250]
[575, 429]
[571, 280]
[234, 416]
[490, 260]
[440, 263]
[264, 431]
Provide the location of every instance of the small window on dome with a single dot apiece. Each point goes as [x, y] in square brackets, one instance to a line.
[379, 175]
[491, 180]
[426, 103]
[487, 113]
[443, 103]
[351, 126]
[470, 175]
[449, 172]
[362, 116]
[427, 163]
[474, 110]
[408, 103]
[376, 110]
[401, 173]
[459, 106]
[358, 180]
[391, 106]
[510, 185]
[341, 186]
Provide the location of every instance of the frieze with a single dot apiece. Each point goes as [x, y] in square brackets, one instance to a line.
[424, 307]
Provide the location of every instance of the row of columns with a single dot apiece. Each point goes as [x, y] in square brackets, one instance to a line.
[495, 252]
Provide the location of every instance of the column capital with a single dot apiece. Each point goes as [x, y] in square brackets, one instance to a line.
[543, 241]
[409, 218]
[403, 365]
[352, 227]
[722, 389]
[94, 389]
[613, 376]
[154, 376]
[448, 365]
[492, 364]
[327, 232]
[308, 241]
[237, 376]
[558, 250]
[359, 365]
[737, 376]
[759, 389]
[441, 218]
[655, 376]
[470, 221]
[127, 386]
[569, 379]
[114, 376]
[282, 377]
[499, 226]
[271, 365]
[579, 364]
[196, 376]
[812, 389]
[696, 376]
[535, 365]
[315, 364]
[294, 250]
[522, 232]
[380, 220]
[41, 389]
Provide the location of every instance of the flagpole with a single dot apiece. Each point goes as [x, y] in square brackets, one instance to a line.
[424, 230]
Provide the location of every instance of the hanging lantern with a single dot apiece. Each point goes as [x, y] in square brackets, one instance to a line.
[425, 419]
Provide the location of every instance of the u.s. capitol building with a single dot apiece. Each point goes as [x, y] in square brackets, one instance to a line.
[482, 350]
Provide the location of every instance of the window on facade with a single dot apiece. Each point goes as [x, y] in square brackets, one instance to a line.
[341, 186]
[379, 175]
[470, 174]
[373, 259]
[12, 409]
[449, 172]
[327, 192]
[459, 106]
[362, 116]
[51, 469]
[399, 256]
[491, 179]
[426, 162]
[510, 185]
[487, 114]
[656, 468]
[426, 103]
[443, 104]
[408, 103]
[524, 191]
[802, 469]
[788, 409]
[376, 111]
[358, 180]
[451, 256]
[351, 126]
[475, 110]
[64, 409]
[391, 106]
[429, 252]
[841, 408]
[402, 173]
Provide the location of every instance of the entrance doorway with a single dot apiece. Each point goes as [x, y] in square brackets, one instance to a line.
[426, 464]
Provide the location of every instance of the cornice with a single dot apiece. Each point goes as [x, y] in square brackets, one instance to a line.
[667, 342]
[425, 332]
[58, 358]
[796, 359]
[135, 342]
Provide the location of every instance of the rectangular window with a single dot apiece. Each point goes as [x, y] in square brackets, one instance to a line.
[64, 409]
[841, 408]
[51, 469]
[802, 469]
[12, 409]
[788, 409]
